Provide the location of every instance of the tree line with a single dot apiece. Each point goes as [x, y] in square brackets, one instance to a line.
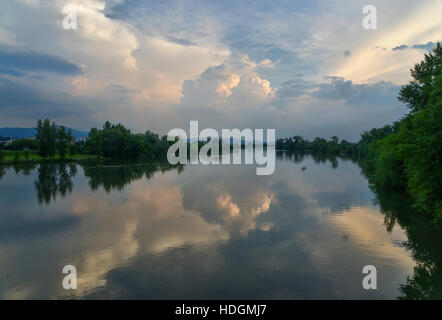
[407, 155]
[116, 141]
[318, 145]
[112, 141]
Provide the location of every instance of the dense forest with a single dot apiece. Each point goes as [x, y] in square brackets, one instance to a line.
[407, 155]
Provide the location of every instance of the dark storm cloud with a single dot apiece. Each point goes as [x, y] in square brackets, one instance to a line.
[25, 60]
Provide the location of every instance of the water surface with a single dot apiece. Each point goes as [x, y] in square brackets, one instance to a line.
[200, 232]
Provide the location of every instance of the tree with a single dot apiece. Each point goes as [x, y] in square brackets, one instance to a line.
[52, 141]
[95, 141]
[423, 153]
[417, 92]
[334, 140]
[71, 145]
[46, 136]
[407, 155]
[63, 141]
[42, 138]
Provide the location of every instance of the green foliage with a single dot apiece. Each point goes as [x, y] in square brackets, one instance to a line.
[408, 154]
[423, 154]
[416, 94]
[424, 243]
[46, 138]
[117, 142]
[95, 142]
[112, 141]
[72, 149]
[54, 179]
[20, 144]
[318, 145]
[63, 141]
[389, 163]
[49, 139]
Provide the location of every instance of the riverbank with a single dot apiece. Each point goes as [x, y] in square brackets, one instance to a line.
[17, 157]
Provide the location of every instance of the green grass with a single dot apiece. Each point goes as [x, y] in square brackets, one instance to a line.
[10, 157]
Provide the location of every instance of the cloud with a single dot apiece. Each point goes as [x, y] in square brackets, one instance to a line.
[118, 88]
[26, 60]
[402, 47]
[26, 103]
[295, 88]
[10, 72]
[379, 93]
[426, 46]
[429, 46]
[337, 88]
[183, 42]
[232, 93]
[31, 103]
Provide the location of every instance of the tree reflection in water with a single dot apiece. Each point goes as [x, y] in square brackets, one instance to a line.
[53, 179]
[116, 177]
[56, 178]
[424, 241]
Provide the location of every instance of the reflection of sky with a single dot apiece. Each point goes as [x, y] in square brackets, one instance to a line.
[209, 232]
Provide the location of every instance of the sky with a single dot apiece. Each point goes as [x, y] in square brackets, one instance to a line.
[301, 67]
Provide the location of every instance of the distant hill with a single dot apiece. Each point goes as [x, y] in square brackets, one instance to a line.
[30, 132]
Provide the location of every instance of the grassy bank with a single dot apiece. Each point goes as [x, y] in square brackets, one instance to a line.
[11, 157]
